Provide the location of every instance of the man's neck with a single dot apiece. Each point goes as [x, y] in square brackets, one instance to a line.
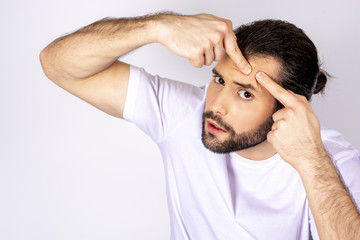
[260, 152]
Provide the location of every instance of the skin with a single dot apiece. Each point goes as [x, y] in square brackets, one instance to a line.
[295, 135]
[243, 114]
[85, 64]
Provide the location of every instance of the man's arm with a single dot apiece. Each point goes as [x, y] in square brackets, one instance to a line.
[85, 62]
[335, 214]
[296, 137]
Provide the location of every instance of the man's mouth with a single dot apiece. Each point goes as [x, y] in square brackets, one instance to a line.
[213, 128]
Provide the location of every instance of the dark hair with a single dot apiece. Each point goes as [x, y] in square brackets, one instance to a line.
[300, 69]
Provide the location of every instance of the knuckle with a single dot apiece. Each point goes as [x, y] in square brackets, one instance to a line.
[234, 48]
[278, 91]
[275, 135]
[233, 51]
[281, 123]
[197, 52]
[228, 21]
[230, 25]
[217, 38]
[207, 45]
[289, 112]
[300, 106]
[303, 98]
[223, 27]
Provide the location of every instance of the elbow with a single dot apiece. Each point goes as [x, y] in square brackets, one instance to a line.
[47, 65]
[44, 63]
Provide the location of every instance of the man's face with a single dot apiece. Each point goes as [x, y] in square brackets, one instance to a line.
[238, 111]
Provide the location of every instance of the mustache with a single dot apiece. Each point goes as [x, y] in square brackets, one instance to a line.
[216, 118]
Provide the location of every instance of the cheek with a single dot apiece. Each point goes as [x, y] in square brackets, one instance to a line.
[249, 116]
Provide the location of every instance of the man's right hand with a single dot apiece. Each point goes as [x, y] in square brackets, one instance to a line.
[200, 38]
[85, 63]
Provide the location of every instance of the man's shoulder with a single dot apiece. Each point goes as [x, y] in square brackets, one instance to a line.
[160, 106]
[170, 86]
[336, 145]
[346, 158]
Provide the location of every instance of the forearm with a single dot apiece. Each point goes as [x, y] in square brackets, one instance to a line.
[335, 214]
[296, 136]
[95, 47]
[200, 38]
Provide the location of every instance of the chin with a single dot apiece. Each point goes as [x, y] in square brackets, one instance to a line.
[231, 144]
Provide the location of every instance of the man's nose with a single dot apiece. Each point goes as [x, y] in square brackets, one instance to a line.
[219, 103]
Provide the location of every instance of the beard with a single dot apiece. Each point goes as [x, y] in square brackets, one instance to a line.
[235, 141]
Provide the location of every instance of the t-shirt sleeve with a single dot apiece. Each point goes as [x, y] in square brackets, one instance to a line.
[158, 105]
[347, 161]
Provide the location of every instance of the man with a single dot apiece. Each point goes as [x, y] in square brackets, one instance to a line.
[244, 157]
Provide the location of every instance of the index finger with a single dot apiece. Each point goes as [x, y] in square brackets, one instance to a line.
[233, 50]
[287, 99]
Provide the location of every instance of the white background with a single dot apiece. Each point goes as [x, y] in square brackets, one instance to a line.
[69, 171]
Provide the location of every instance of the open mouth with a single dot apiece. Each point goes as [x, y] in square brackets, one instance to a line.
[213, 128]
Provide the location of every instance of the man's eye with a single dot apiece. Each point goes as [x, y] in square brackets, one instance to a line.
[245, 95]
[219, 80]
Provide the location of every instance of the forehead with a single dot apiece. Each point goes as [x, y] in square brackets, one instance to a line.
[227, 68]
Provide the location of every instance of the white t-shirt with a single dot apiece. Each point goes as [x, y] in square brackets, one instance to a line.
[224, 196]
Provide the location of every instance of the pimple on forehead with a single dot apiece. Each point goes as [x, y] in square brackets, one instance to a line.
[239, 77]
[266, 64]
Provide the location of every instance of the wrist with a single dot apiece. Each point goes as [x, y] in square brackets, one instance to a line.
[312, 167]
[161, 25]
[309, 159]
[153, 30]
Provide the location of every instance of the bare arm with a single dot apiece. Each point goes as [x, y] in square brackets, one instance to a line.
[335, 214]
[296, 137]
[85, 62]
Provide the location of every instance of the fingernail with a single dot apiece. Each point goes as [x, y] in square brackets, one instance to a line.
[247, 69]
[259, 75]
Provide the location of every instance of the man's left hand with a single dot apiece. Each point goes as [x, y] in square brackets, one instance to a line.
[295, 134]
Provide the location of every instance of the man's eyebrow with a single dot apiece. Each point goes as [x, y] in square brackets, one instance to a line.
[247, 86]
[216, 73]
[243, 85]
